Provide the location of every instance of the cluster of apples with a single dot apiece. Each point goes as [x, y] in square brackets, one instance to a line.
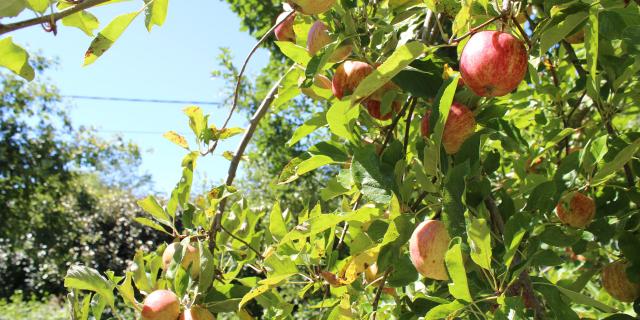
[492, 64]
[165, 304]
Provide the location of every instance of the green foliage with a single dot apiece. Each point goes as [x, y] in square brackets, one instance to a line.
[332, 189]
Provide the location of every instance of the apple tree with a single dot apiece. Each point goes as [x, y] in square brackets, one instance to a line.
[485, 159]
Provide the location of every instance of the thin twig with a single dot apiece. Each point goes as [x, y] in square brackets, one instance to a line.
[376, 301]
[522, 32]
[574, 59]
[236, 92]
[474, 30]
[243, 241]
[50, 18]
[524, 281]
[233, 167]
[408, 126]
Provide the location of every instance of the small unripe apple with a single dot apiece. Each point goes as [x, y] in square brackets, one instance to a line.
[617, 284]
[191, 257]
[196, 313]
[348, 76]
[493, 63]
[319, 37]
[284, 31]
[460, 125]
[374, 106]
[312, 7]
[427, 248]
[161, 305]
[319, 81]
[576, 209]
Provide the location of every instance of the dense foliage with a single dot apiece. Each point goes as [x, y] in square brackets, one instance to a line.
[505, 190]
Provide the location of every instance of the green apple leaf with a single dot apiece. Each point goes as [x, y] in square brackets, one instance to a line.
[108, 36]
[16, 59]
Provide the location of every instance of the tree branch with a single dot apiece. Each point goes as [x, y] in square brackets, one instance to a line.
[236, 92]
[50, 18]
[235, 162]
[524, 281]
[376, 300]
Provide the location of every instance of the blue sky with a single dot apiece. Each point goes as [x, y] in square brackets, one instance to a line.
[172, 62]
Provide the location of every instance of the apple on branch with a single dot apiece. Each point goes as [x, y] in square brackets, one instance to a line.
[576, 209]
[284, 31]
[460, 125]
[161, 305]
[617, 283]
[493, 63]
[427, 249]
[191, 257]
[319, 37]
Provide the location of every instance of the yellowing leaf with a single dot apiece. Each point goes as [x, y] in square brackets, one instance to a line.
[176, 138]
[357, 264]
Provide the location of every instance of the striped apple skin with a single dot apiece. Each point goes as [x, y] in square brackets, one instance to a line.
[493, 63]
[427, 248]
[617, 284]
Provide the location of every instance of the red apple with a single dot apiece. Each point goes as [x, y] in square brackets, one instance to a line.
[460, 125]
[191, 257]
[576, 209]
[319, 37]
[197, 313]
[493, 63]
[284, 31]
[348, 76]
[312, 7]
[617, 284]
[427, 248]
[161, 305]
[374, 106]
[319, 81]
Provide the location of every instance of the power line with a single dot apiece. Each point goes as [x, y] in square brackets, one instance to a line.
[142, 100]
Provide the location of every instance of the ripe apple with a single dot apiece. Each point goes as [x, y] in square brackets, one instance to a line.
[427, 248]
[319, 81]
[319, 37]
[196, 313]
[191, 257]
[617, 284]
[161, 305]
[374, 106]
[576, 210]
[460, 125]
[348, 76]
[312, 7]
[284, 31]
[493, 63]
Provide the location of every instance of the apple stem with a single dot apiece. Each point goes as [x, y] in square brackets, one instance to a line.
[476, 29]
